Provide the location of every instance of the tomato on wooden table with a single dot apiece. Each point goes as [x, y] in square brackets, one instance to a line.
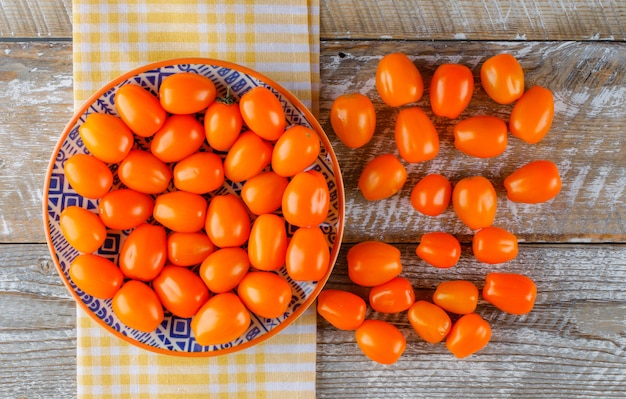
[469, 334]
[267, 243]
[416, 136]
[124, 209]
[106, 137]
[179, 137]
[187, 249]
[186, 93]
[502, 77]
[451, 90]
[306, 199]
[137, 306]
[295, 150]
[263, 193]
[139, 109]
[265, 293]
[144, 252]
[227, 221]
[308, 255]
[143, 172]
[343, 309]
[439, 249]
[199, 173]
[429, 321]
[475, 202]
[456, 296]
[82, 229]
[394, 296]
[372, 263]
[353, 119]
[96, 275]
[223, 269]
[431, 195]
[180, 211]
[532, 115]
[398, 81]
[494, 245]
[382, 177]
[223, 318]
[263, 113]
[88, 176]
[180, 290]
[537, 181]
[380, 341]
[481, 136]
[510, 292]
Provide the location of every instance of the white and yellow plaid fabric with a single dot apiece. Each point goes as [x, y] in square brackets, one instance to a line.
[279, 38]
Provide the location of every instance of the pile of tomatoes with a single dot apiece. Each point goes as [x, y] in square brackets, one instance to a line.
[378, 265]
[192, 250]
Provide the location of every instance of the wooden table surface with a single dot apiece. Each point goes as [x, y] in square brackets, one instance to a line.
[572, 345]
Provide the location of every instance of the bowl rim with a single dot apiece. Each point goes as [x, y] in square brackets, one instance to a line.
[311, 119]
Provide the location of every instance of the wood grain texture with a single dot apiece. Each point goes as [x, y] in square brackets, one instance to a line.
[36, 19]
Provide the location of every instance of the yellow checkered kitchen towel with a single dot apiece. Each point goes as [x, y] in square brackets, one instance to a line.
[279, 38]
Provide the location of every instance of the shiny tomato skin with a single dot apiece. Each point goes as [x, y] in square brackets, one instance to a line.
[536, 182]
[532, 115]
[186, 93]
[429, 321]
[398, 81]
[394, 296]
[353, 119]
[481, 136]
[380, 341]
[475, 202]
[223, 269]
[469, 334]
[344, 310]
[382, 177]
[306, 199]
[180, 211]
[137, 306]
[96, 275]
[308, 255]
[124, 209]
[265, 294]
[179, 137]
[188, 249]
[199, 173]
[372, 263]
[247, 157]
[143, 172]
[510, 292]
[295, 150]
[88, 176]
[144, 252]
[502, 77]
[227, 221]
[106, 137]
[223, 318]
[267, 244]
[82, 229]
[263, 113]
[439, 249]
[451, 90]
[180, 290]
[431, 195]
[139, 109]
[494, 245]
[416, 137]
[456, 296]
[222, 124]
[263, 193]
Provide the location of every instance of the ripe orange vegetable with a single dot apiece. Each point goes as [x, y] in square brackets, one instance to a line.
[143, 172]
[468, 335]
[96, 275]
[139, 109]
[382, 177]
[481, 136]
[343, 309]
[199, 173]
[532, 115]
[308, 255]
[267, 244]
[227, 221]
[380, 341]
[179, 137]
[429, 321]
[263, 113]
[222, 123]
[247, 157]
[144, 252]
[138, 306]
[223, 269]
[439, 249]
[180, 290]
[106, 137]
[416, 137]
[306, 199]
[398, 81]
[180, 211]
[353, 119]
[535, 182]
[186, 93]
[187, 249]
[502, 78]
[475, 202]
[223, 318]
[295, 150]
[124, 209]
[266, 294]
[456, 296]
[82, 229]
[88, 176]
[263, 193]
[451, 90]
[494, 245]
[431, 195]
[510, 292]
[372, 263]
[394, 296]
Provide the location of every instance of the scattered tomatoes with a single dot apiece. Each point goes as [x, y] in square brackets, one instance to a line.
[481, 136]
[535, 182]
[494, 245]
[475, 202]
[468, 335]
[180, 290]
[353, 119]
[262, 113]
[88, 176]
[439, 249]
[221, 319]
[451, 90]
[265, 293]
[396, 295]
[382, 177]
[186, 93]
[431, 195]
[510, 292]
[532, 115]
[140, 110]
[502, 78]
[343, 309]
[96, 275]
[82, 229]
[106, 137]
[295, 150]
[306, 199]
[380, 341]
[456, 296]
[429, 321]
[416, 137]
[398, 81]
[138, 306]
[308, 255]
[372, 263]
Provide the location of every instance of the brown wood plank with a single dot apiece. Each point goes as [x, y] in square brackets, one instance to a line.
[36, 19]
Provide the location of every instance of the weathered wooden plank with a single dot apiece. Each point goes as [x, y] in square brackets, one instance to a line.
[36, 19]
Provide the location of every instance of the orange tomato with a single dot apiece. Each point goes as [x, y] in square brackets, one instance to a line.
[82, 229]
[510, 292]
[532, 115]
[222, 123]
[481, 136]
[124, 209]
[187, 249]
[429, 321]
[267, 244]
[227, 221]
[186, 93]
[180, 211]
[398, 81]
[494, 245]
[106, 137]
[380, 341]
[394, 296]
[139, 109]
[382, 177]
[143, 172]
[180, 291]
[343, 309]
[353, 119]
[475, 202]
[502, 78]
[248, 156]
[138, 306]
[179, 137]
[88, 176]
[431, 195]
[199, 173]
[535, 182]
[144, 252]
[265, 293]
[457, 296]
[451, 90]
[439, 249]
[295, 150]
[416, 137]
[306, 199]
[223, 318]
[223, 269]
[263, 193]
[468, 335]
[372, 263]
[308, 255]
[96, 276]
[263, 113]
